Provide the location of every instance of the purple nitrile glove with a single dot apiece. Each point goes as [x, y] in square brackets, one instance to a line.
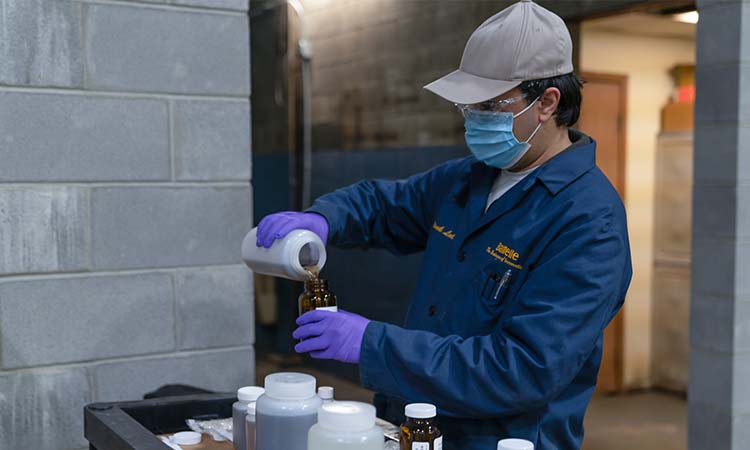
[276, 226]
[331, 335]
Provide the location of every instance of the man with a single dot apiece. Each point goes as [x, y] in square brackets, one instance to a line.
[526, 253]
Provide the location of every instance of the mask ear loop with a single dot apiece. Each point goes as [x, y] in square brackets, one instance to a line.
[538, 127]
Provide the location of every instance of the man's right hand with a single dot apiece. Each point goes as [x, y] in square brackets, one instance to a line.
[276, 226]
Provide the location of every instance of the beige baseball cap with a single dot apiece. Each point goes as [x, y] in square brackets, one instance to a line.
[522, 42]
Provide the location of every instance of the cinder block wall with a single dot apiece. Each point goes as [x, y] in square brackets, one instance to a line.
[124, 197]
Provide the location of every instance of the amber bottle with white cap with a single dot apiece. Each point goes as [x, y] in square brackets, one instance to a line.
[419, 431]
[514, 444]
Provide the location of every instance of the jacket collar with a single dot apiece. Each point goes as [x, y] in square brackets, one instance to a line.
[555, 174]
[570, 164]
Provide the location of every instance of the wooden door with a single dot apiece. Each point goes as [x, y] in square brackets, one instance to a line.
[603, 118]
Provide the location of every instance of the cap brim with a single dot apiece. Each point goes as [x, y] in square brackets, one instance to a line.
[466, 89]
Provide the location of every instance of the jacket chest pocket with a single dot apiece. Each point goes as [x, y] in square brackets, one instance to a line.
[491, 288]
[495, 282]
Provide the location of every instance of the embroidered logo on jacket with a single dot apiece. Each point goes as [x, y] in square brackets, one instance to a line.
[505, 254]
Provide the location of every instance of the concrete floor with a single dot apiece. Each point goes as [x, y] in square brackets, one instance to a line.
[643, 421]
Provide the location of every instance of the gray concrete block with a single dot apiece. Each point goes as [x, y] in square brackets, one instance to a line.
[743, 210]
[720, 38]
[711, 378]
[709, 427]
[145, 49]
[740, 386]
[43, 230]
[716, 153]
[78, 138]
[720, 380]
[742, 252]
[239, 5]
[41, 43]
[84, 318]
[721, 93]
[705, 313]
[214, 307]
[713, 266]
[710, 220]
[168, 227]
[221, 371]
[212, 140]
[741, 430]
[43, 409]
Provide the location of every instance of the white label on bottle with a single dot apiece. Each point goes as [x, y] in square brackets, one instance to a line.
[328, 308]
[420, 446]
[438, 443]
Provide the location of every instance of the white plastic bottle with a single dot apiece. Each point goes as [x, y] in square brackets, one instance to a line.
[287, 257]
[250, 426]
[514, 444]
[345, 426]
[285, 413]
[325, 393]
[245, 396]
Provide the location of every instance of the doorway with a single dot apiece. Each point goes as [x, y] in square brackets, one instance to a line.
[603, 116]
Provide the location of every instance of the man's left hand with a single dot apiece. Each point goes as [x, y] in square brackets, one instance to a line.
[331, 335]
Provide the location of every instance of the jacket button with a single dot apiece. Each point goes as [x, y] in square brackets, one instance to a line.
[461, 256]
[431, 310]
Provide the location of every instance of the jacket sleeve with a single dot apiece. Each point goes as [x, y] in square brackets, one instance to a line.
[551, 330]
[391, 214]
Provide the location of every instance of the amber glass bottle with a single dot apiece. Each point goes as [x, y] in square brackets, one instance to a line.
[419, 431]
[316, 296]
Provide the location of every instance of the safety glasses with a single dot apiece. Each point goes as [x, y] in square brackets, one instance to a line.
[489, 105]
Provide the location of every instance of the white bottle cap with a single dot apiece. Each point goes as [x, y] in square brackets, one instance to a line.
[346, 416]
[290, 386]
[186, 438]
[325, 392]
[249, 394]
[514, 444]
[420, 411]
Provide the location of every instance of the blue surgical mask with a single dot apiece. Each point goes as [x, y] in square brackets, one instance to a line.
[489, 135]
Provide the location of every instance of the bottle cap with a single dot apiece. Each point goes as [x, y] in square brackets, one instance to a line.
[290, 386]
[514, 444]
[346, 416]
[249, 394]
[420, 410]
[325, 392]
[186, 438]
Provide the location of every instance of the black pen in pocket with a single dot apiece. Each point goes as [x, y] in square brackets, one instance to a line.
[502, 283]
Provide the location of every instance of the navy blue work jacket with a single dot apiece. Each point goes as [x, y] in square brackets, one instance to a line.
[504, 331]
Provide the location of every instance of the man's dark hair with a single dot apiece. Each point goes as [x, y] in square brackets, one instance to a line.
[569, 85]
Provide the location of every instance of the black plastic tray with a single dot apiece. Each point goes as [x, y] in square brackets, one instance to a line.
[134, 425]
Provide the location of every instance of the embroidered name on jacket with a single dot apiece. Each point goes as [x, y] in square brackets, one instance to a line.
[441, 229]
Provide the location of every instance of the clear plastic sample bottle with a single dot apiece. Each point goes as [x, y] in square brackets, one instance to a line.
[285, 413]
[325, 393]
[250, 426]
[245, 396]
[346, 426]
[514, 444]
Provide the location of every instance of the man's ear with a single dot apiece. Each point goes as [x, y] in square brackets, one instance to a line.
[549, 101]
